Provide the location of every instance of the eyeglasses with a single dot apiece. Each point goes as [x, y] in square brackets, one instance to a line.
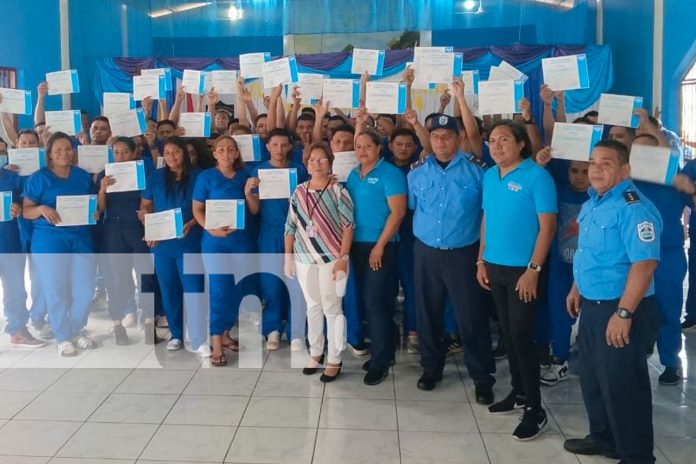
[317, 160]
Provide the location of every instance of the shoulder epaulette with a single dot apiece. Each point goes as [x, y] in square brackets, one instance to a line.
[418, 163]
[631, 197]
[477, 161]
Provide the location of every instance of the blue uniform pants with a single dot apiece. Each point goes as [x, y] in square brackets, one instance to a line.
[615, 381]
[669, 293]
[404, 277]
[353, 311]
[37, 312]
[690, 308]
[560, 282]
[14, 297]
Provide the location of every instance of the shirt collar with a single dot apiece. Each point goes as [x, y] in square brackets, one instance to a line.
[458, 157]
[615, 190]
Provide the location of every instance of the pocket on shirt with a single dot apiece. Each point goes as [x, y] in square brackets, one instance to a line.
[609, 240]
[426, 195]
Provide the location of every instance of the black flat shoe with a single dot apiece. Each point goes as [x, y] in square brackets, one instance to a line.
[313, 370]
[330, 378]
[428, 380]
[484, 395]
[375, 376]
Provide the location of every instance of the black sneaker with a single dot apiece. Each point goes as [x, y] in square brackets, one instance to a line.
[689, 325]
[484, 395]
[587, 446]
[120, 335]
[671, 376]
[531, 426]
[375, 376]
[508, 404]
[366, 365]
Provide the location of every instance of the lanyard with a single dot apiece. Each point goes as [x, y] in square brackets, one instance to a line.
[312, 209]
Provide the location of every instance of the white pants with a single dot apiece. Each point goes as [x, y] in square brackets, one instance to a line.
[319, 289]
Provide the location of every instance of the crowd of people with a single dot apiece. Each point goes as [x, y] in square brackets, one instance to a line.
[464, 223]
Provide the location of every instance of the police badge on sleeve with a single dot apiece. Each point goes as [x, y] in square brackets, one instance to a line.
[646, 232]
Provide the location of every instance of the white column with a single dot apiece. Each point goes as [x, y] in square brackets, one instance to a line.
[65, 45]
[658, 43]
[600, 22]
[124, 30]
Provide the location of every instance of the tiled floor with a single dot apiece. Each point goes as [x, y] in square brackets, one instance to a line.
[135, 404]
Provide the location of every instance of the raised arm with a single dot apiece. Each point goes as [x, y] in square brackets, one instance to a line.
[547, 115]
[530, 126]
[39, 110]
[408, 77]
[176, 107]
[321, 108]
[291, 119]
[646, 127]
[240, 106]
[470, 124]
[445, 100]
[273, 117]
[411, 117]
[163, 112]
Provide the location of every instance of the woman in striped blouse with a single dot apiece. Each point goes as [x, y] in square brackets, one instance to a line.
[318, 234]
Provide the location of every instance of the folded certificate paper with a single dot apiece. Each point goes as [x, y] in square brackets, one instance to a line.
[5, 206]
[117, 103]
[166, 73]
[129, 176]
[193, 82]
[149, 85]
[63, 82]
[617, 110]
[344, 163]
[386, 97]
[311, 87]
[249, 147]
[129, 124]
[93, 158]
[76, 210]
[574, 141]
[29, 160]
[505, 71]
[280, 71]
[224, 82]
[165, 225]
[500, 97]
[658, 165]
[471, 82]
[195, 124]
[566, 72]
[277, 183]
[228, 214]
[365, 60]
[342, 93]
[15, 101]
[435, 65]
[69, 121]
[251, 64]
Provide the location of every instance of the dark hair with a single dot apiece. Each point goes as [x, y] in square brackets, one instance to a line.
[654, 121]
[310, 110]
[166, 122]
[127, 141]
[373, 136]
[40, 123]
[262, 115]
[431, 116]
[403, 132]
[151, 120]
[618, 148]
[337, 117]
[233, 121]
[343, 128]
[205, 158]
[28, 131]
[238, 164]
[280, 132]
[591, 114]
[53, 139]
[391, 117]
[582, 120]
[233, 127]
[100, 118]
[630, 130]
[519, 133]
[647, 136]
[305, 116]
[319, 146]
[170, 181]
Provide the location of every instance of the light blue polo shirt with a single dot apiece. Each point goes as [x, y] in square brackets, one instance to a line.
[370, 196]
[511, 206]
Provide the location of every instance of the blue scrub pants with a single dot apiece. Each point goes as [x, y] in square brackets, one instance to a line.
[560, 282]
[690, 308]
[352, 311]
[14, 297]
[669, 294]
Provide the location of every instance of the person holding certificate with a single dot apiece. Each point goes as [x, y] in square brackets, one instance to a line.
[63, 255]
[379, 191]
[226, 181]
[122, 236]
[169, 188]
[318, 236]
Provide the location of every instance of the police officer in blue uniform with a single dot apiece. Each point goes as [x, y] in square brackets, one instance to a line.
[445, 194]
[618, 251]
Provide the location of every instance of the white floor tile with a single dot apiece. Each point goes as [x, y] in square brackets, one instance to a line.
[282, 412]
[90, 380]
[189, 443]
[435, 416]
[450, 389]
[207, 410]
[272, 445]
[155, 381]
[350, 385]
[62, 406]
[288, 384]
[113, 441]
[356, 447]
[23, 460]
[677, 450]
[12, 402]
[442, 448]
[134, 409]
[34, 438]
[89, 461]
[341, 413]
[18, 379]
[547, 449]
[234, 382]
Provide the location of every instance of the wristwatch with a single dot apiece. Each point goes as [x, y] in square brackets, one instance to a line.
[624, 313]
[528, 121]
[345, 258]
[534, 267]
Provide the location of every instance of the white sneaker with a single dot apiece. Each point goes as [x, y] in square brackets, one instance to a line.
[67, 349]
[130, 320]
[85, 343]
[297, 344]
[555, 374]
[412, 344]
[175, 344]
[273, 341]
[204, 351]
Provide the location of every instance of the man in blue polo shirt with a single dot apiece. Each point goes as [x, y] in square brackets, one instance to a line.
[445, 194]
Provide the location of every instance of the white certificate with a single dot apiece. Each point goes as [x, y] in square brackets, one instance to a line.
[574, 141]
[342, 93]
[344, 163]
[281, 71]
[277, 183]
[63, 82]
[438, 68]
[164, 72]
[129, 176]
[5, 206]
[386, 97]
[505, 71]
[195, 124]
[365, 60]
[500, 97]
[69, 121]
[92, 158]
[566, 72]
[311, 87]
[192, 81]
[251, 64]
[76, 210]
[224, 82]
[617, 110]
[471, 82]
[165, 225]
[129, 124]
[29, 160]
[149, 85]
[249, 146]
[224, 213]
[15, 101]
[658, 165]
[117, 103]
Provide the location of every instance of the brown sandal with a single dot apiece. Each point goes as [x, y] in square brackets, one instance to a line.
[232, 345]
[218, 360]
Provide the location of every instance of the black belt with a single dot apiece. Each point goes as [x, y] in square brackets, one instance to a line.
[599, 302]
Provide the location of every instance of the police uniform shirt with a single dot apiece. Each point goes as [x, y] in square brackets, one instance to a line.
[511, 206]
[670, 203]
[370, 195]
[616, 230]
[446, 202]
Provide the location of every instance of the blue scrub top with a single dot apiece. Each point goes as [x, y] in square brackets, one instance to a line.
[447, 202]
[670, 203]
[274, 213]
[406, 227]
[9, 230]
[121, 207]
[511, 206]
[620, 228]
[213, 185]
[177, 197]
[370, 195]
[565, 243]
[690, 170]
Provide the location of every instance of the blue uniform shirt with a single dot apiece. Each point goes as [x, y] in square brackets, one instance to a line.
[370, 195]
[618, 229]
[446, 202]
[121, 207]
[406, 227]
[511, 206]
[565, 242]
[9, 230]
[670, 203]
[690, 170]
[274, 212]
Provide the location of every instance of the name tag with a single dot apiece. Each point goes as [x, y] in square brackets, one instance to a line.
[514, 187]
[372, 180]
